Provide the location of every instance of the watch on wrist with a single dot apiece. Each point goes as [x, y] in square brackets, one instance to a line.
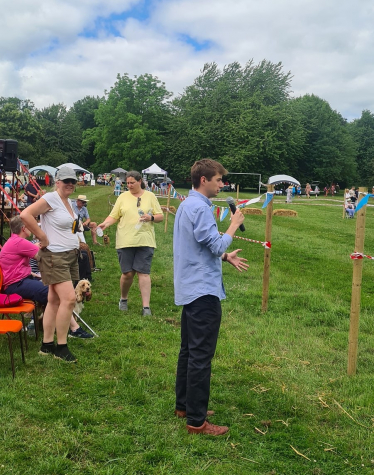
[152, 218]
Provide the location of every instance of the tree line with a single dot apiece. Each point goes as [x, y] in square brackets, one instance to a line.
[243, 116]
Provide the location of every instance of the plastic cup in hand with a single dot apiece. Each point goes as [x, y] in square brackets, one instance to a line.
[99, 232]
[139, 224]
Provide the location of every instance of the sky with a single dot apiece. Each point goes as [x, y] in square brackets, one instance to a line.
[59, 51]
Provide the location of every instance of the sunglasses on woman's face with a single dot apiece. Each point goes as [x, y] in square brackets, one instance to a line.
[69, 181]
[138, 202]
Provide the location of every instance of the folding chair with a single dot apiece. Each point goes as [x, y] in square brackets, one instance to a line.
[6, 328]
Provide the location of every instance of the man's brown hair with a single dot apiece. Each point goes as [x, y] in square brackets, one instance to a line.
[208, 168]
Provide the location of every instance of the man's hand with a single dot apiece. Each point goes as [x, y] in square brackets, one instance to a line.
[238, 262]
[238, 218]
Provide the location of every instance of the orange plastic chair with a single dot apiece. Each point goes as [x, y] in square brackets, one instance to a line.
[6, 328]
[27, 306]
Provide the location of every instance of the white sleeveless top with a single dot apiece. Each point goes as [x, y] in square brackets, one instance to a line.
[57, 224]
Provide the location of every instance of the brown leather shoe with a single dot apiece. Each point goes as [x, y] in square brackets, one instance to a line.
[183, 414]
[208, 429]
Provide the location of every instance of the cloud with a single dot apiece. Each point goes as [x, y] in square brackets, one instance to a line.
[61, 51]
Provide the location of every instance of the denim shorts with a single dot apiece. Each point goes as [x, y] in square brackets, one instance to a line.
[138, 259]
[57, 267]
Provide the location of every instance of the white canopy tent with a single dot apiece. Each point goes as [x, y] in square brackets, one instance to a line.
[43, 168]
[75, 167]
[277, 179]
[154, 170]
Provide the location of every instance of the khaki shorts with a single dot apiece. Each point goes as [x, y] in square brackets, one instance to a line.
[57, 267]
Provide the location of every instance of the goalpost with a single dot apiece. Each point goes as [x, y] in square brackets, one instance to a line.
[257, 174]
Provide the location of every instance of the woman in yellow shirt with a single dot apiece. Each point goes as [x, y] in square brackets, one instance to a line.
[136, 211]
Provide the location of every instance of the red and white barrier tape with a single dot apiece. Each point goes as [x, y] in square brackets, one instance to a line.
[358, 255]
[266, 244]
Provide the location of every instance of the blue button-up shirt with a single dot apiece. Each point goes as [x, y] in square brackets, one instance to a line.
[198, 248]
[82, 213]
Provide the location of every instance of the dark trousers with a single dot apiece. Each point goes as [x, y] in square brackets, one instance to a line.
[29, 288]
[200, 324]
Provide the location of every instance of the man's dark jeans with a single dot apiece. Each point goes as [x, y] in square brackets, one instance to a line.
[200, 324]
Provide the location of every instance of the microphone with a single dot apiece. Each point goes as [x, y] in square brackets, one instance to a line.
[230, 201]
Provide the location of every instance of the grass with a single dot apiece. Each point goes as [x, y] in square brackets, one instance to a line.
[279, 379]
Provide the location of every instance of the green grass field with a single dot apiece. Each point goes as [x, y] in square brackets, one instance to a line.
[279, 379]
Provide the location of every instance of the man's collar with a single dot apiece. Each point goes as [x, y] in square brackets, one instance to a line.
[200, 195]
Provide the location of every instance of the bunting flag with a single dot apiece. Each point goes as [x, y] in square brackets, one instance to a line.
[250, 202]
[363, 202]
[269, 197]
[221, 211]
[224, 213]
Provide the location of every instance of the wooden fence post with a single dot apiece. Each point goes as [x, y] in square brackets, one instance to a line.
[167, 211]
[356, 289]
[266, 277]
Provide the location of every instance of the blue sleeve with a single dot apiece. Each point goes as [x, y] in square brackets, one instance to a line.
[206, 232]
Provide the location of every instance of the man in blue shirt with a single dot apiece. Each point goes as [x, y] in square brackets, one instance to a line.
[80, 209]
[199, 250]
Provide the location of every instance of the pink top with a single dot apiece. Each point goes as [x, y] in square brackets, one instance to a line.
[15, 259]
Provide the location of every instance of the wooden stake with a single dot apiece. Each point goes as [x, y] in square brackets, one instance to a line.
[356, 289]
[167, 206]
[265, 282]
[344, 201]
[237, 194]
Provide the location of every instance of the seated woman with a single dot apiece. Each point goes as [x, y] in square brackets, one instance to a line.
[18, 277]
[349, 209]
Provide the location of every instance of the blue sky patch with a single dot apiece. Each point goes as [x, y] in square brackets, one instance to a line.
[53, 45]
[197, 45]
[139, 12]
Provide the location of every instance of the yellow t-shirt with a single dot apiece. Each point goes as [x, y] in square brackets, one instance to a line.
[130, 233]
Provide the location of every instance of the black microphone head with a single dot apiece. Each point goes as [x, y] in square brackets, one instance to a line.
[230, 200]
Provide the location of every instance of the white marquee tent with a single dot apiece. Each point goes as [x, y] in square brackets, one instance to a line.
[154, 170]
[277, 179]
[43, 168]
[75, 167]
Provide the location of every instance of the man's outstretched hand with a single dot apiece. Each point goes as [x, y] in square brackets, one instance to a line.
[238, 262]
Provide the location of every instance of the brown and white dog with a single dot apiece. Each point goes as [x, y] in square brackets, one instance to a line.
[82, 292]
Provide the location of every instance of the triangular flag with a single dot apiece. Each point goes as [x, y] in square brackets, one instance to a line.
[363, 202]
[254, 200]
[269, 197]
[224, 213]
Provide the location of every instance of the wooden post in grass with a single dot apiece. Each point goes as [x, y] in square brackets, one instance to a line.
[237, 194]
[265, 282]
[167, 209]
[356, 289]
[344, 201]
